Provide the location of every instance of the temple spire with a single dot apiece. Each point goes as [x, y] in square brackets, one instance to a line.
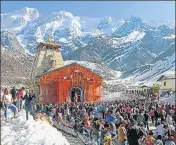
[49, 38]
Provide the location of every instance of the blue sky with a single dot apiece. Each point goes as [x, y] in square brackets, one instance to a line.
[147, 10]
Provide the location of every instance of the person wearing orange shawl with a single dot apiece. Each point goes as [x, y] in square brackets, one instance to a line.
[149, 139]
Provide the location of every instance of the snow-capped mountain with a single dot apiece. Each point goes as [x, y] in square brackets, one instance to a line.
[124, 45]
[124, 53]
[159, 65]
[17, 20]
[70, 31]
[134, 23]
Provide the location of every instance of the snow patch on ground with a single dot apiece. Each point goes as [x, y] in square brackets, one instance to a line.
[21, 132]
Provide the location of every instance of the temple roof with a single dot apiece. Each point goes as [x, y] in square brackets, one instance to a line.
[73, 63]
[50, 44]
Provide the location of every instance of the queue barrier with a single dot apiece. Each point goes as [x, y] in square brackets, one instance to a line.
[84, 137]
[67, 127]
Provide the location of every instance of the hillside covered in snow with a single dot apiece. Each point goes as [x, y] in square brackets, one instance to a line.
[129, 47]
[22, 132]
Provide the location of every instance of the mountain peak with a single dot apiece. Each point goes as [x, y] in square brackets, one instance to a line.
[136, 19]
[63, 14]
[27, 9]
[17, 20]
[109, 19]
[68, 14]
[31, 12]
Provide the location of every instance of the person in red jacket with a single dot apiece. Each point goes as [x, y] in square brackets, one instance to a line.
[19, 99]
[86, 122]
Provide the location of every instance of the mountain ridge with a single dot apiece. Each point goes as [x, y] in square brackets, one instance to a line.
[123, 45]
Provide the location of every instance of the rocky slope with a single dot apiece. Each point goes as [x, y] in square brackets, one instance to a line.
[10, 42]
[15, 67]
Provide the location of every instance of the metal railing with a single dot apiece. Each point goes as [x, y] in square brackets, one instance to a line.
[88, 136]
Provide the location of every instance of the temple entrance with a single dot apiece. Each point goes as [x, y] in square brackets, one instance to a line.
[76, 92]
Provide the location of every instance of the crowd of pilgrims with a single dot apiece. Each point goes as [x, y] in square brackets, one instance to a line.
[128, 121]
[116, 122]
